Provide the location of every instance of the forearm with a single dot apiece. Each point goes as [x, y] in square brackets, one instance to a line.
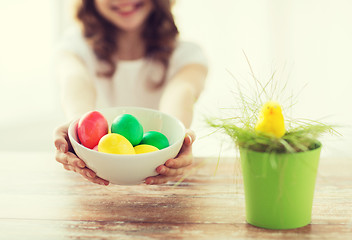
[183, 91]
[74, 102]
[178, 101]
[78, 92]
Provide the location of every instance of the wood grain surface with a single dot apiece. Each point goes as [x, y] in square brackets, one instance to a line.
[40, 200]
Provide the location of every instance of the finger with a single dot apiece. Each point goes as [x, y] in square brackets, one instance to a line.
[187, 143]
[61, 157]
[70, 159]
[183, 160]
[73, 160]
[91, 176]
[190, 136]
[184, 157]
[61, 144]
[70, 167]
[165, 171]
[99, 181]
[67, 167]
[60, 138]
[87, 174]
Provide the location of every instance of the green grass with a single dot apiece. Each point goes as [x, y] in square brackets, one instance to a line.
[298, 139]
[301, 135]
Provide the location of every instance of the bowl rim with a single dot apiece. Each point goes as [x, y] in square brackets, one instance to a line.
[74, 123]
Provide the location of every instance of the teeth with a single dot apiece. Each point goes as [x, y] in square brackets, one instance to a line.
[126, 8]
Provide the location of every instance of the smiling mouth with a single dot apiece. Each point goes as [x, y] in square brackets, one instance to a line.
[127, 8]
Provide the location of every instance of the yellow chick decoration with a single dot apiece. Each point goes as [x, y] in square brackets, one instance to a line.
[271, 120]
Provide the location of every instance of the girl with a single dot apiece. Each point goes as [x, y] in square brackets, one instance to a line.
[127, 53]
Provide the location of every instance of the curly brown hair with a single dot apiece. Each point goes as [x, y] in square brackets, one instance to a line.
[159, 34]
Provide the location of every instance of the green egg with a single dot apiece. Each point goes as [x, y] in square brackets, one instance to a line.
[129, 127]
[155, 139]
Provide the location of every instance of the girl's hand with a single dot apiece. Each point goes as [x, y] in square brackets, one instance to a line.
[174, 168]
[66, 156]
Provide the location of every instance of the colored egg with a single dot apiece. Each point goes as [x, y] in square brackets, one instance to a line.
[129, 127]
[91, 127]
[144, 148]
[155, 139]
[116, 144]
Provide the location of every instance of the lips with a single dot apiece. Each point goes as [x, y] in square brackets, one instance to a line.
[128, 8]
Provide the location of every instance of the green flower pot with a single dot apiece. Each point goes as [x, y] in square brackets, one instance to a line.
[279, 188]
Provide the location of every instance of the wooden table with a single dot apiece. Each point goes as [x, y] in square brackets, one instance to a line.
[40, 200]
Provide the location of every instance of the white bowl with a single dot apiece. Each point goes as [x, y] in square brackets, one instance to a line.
[132, 169]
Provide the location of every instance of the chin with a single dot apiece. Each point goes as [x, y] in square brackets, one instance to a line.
[129, 27]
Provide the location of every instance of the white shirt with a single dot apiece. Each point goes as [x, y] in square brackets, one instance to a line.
[128, 86]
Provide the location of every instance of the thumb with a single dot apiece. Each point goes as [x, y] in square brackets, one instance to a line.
[60, 138]
[190, 137]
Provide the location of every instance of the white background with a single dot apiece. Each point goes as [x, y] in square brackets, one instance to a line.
[309, 41]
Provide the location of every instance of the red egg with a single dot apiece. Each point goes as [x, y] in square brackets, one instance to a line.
[91, 127]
